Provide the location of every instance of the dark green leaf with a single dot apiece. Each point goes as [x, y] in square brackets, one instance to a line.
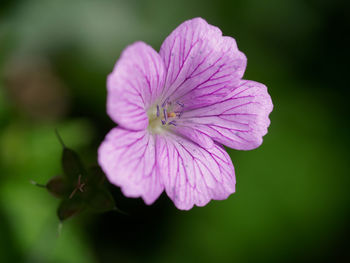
[69, 207]
[72, 165]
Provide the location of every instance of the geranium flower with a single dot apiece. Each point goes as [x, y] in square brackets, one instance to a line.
[174, 112]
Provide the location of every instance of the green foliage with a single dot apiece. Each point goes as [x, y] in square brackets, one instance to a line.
[70, 207]
[79, 188]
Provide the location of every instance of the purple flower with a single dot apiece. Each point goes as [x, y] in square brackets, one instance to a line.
[175, 110]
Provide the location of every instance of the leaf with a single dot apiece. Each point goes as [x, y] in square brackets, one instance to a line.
[69, 208]
[87, 190]
[58, 186]
[72, 165]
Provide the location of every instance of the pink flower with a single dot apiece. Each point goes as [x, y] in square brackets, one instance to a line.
[175, 110]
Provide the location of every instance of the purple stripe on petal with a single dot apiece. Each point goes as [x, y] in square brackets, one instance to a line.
[129, 161]
[239, 121]
[198, 57]
[135, 83]
[193, 175]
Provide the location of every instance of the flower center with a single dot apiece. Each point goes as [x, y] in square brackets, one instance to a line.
[163, 116]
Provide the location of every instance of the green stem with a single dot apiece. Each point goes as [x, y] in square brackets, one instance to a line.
[60, 138]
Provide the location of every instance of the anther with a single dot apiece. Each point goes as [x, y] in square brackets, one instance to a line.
[171, 114]
[172, 123]
[157, 111]
[179, 113]
[165, 102]
[181, 104]
[165, 115]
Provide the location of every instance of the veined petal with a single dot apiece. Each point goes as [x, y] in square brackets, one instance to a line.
[191, 174]
[239, 120]
[195, 135]
[129, 160]
[200, 61]
[135, 83]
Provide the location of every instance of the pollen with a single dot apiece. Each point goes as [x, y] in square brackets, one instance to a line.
[171, 114]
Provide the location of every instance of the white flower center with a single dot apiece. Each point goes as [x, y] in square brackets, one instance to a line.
[163, 116]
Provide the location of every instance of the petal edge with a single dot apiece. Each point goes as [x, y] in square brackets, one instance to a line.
[193, 175]
[129, 160]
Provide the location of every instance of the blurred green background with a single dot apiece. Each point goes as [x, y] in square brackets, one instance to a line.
[292, 199]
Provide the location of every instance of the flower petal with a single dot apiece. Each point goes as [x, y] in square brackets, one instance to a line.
[239, 120]
[200, 61]
[195, 135]
[191, 174]
[129, 160]
[135, 83]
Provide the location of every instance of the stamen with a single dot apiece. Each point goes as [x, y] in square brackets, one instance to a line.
[165, 102]
[179, 113]
[165, 115]
[181, 104]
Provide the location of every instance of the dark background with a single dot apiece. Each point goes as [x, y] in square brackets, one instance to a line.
[292, 199]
